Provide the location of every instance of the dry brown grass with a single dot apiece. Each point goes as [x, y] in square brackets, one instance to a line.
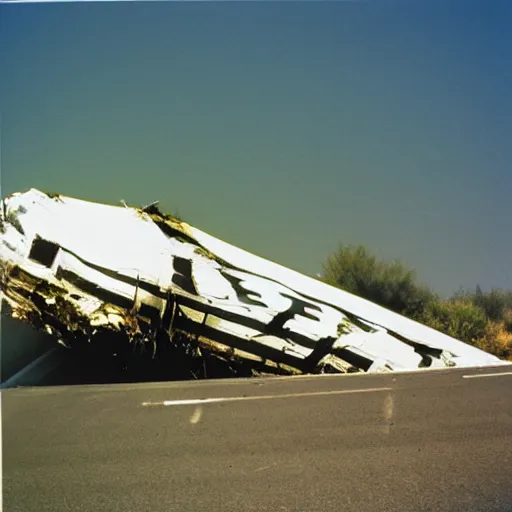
[497, 340]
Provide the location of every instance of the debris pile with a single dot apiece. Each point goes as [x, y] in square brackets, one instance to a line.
[139, 283]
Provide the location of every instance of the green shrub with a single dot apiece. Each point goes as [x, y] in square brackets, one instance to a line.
[389, 284]
[507, 321]
[458, 318]
[494, 303]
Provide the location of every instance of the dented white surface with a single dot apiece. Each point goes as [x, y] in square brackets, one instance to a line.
[124, 269]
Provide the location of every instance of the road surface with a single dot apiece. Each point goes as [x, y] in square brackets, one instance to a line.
[434, 440]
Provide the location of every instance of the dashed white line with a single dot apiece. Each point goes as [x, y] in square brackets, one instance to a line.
[388, 407]
[478, 375]
[196, 415]
[201, 401]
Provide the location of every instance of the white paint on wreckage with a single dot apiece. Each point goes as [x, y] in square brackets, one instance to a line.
[114, 262]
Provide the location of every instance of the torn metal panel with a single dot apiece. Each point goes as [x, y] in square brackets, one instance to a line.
[81, 270]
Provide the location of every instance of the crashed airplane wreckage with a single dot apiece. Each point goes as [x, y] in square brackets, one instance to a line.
[134, 277]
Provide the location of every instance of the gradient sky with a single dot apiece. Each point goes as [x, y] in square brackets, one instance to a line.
[284, 128]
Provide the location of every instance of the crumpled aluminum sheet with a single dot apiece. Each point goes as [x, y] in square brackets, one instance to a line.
[77, 269]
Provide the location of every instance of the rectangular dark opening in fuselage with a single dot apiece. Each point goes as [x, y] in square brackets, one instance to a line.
[43, 251]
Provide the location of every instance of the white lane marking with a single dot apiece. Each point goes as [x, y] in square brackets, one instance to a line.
[478, 375]
[196, 415]
[388, 407]
[263, 468]
[200, 401]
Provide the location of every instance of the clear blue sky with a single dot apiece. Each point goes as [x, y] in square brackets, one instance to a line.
[284, 128]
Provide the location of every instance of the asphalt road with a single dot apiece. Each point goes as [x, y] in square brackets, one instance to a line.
[428, 441]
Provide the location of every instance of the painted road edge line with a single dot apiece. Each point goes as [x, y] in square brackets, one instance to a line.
[477, 376]
[201, 401]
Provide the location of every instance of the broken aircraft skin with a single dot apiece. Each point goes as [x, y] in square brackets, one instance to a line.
[136, 278]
